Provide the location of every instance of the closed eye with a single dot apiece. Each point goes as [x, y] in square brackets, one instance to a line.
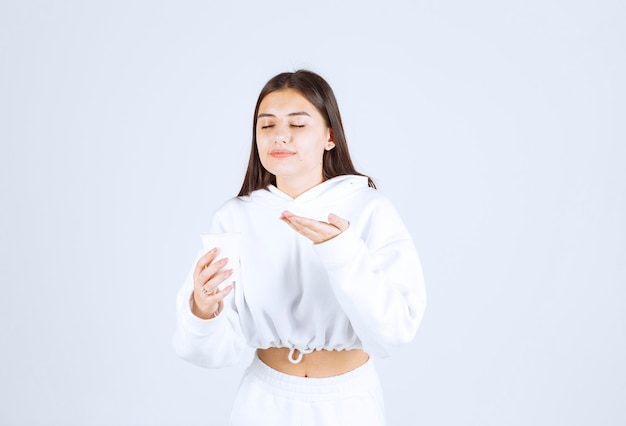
[267, 126]
[298, 126]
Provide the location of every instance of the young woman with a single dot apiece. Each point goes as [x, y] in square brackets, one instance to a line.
[329, 273]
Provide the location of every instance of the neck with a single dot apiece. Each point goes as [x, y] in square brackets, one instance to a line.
[294, 187]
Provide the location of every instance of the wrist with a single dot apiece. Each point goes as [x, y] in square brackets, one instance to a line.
[202, 313]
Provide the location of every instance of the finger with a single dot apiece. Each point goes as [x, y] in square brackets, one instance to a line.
[206, 259]
[340, 223]
[301, 222]
[210, 303]
[290, 219]
[209, 275]
[211, 269]
[314, 230]
[219, 296]
[287, 216]
[212, 284]
[307, 229]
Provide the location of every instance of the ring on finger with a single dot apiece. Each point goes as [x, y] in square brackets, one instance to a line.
[206, 292]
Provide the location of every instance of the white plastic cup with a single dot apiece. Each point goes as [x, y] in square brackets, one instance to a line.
[228, 245]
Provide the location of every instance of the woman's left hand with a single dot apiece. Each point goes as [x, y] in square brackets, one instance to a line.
[315, 230]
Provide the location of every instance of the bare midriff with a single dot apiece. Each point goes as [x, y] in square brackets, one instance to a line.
[316, 364]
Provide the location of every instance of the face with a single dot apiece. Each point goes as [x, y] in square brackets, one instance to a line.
[291, 137]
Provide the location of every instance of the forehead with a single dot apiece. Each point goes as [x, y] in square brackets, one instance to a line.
[286, 101]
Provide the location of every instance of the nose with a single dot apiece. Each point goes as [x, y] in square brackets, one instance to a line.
[282, 134]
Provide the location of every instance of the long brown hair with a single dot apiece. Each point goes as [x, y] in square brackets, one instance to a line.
[315, 89]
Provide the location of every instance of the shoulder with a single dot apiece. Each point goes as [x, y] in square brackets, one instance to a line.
[372, 210]
[234, 205]
[353, 188]
[370, 199]
[240, 206]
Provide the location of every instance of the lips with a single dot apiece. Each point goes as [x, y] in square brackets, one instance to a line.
[281, 153]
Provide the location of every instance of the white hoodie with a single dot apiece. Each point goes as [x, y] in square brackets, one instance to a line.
[362, 289]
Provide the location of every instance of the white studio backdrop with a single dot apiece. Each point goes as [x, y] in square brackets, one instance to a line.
[497, 128]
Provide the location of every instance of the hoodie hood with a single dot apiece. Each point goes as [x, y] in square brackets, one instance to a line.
[324, 196]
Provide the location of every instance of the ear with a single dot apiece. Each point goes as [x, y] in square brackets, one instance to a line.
[331, 140]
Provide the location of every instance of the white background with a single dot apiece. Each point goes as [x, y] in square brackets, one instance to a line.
[497, 128]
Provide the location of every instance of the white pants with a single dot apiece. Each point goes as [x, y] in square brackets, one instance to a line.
[269, 397]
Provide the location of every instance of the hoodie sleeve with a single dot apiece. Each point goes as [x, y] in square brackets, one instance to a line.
[212, 343]
[377, 279]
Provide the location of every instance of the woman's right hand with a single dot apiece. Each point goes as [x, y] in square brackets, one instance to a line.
[207, 297]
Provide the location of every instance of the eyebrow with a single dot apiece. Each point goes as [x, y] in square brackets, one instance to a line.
[293, 114]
